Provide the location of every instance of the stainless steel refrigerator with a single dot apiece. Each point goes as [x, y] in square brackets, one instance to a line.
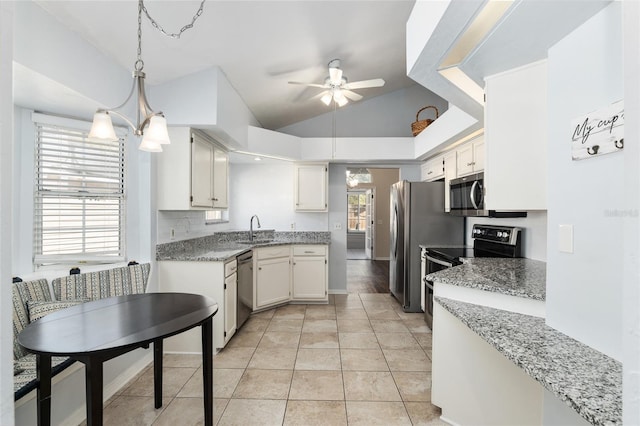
[417, 217]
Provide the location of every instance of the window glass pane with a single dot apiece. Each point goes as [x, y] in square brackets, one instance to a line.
[79, 200]
[356, 211]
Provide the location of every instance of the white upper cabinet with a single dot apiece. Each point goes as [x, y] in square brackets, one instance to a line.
[192, 172]
[516, 139]
[311, 183]
[201, 172]
[220, 178]
[432, 169]
[470, 157]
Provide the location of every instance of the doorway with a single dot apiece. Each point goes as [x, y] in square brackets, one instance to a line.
[368, 225]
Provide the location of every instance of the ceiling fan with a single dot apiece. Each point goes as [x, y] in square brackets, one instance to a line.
[337, 87]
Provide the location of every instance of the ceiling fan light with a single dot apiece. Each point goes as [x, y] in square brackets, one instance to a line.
[339, 97]
[326, 98]
[102, 128]
[157, 130]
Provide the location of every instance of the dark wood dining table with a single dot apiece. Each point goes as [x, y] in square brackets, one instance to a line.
[97, 331]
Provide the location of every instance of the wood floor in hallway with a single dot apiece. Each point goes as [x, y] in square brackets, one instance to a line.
[367, 276]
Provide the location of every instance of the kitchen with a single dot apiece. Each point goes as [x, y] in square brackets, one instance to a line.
[592, 317]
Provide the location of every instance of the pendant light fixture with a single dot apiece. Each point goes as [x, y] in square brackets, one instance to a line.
[151, 125]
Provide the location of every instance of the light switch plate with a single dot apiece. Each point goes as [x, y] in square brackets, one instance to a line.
[337, 226]
[565, 238]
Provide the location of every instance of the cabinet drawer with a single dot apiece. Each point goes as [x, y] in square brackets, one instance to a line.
[309, 250]
[230, 267]
[271, 252]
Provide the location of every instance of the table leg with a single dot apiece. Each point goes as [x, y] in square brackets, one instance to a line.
[207, 370]
[43, 368]
[94, 378]
[157, 372]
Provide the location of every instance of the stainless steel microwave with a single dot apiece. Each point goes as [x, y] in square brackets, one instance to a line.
[467, 196]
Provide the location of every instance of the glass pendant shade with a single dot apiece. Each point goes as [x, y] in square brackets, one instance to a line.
[326, 99]
[102, 128]
[157, 130]
[149, 145]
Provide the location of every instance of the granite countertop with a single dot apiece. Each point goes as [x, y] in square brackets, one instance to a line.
[586, 380]
[222, 246]
[513, 277]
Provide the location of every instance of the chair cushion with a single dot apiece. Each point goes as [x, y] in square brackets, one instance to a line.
[26, 380]
[23, 292]
[102, 284]
[39, 309]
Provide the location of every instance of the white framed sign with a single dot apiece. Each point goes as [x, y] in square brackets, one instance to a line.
[599, 132]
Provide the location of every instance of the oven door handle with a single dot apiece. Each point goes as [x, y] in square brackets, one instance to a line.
[439, 262]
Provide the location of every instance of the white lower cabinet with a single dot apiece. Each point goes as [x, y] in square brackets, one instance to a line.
[231, 306]
[272, 276]
[208, 279]
[309, 271]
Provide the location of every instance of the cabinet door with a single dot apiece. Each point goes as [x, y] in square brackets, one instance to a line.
[201, 173]
[464, 161]
[311, 187]
[230, 306]
[309, 278]
[220, 178]
[433, 169]
[273, 281]
[450, 172]
[478, 155]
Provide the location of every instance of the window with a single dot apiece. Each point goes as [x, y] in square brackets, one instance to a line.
[79, 200]
[356, 211]
[216, 216]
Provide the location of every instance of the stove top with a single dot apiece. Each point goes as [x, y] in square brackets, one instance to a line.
[489, 241]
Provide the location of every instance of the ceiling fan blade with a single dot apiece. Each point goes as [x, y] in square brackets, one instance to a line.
[351, 95]
[376, 82]
[322, 86]
[335, 76]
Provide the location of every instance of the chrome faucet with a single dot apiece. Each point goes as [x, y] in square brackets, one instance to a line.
[251, 226]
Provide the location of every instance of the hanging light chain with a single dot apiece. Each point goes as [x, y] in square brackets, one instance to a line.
[139, 65]
[183, 29]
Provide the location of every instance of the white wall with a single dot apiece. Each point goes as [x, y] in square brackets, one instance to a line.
[338, 216]
[6, 161]
[268, 191]
[631, 311]
[584, 288]
[389, 115]
[534, 242]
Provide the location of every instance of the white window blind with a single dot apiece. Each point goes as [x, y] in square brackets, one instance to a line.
[79, 208]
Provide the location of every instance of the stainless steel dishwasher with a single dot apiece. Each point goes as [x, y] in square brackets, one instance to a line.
[245, 287]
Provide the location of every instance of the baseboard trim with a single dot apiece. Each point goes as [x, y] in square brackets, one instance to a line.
[338, 291]
[381, 258]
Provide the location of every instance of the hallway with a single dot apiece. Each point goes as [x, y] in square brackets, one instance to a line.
[367, 276]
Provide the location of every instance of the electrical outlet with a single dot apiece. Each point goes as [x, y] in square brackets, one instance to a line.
[293, 226]
[337, 226]
[173, 233]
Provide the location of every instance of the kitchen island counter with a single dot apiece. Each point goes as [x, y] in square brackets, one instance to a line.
[586, 380]
[512, 277]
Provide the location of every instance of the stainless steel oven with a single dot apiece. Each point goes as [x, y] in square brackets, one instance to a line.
[430, 264]
[488, 241]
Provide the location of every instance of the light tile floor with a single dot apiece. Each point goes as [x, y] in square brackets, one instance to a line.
[359, 361]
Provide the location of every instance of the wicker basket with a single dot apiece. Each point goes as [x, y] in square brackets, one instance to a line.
[419, 125]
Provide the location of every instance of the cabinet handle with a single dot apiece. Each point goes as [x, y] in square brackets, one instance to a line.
[469, 164]
[308, 251]
[259, 269]
[430, 172]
